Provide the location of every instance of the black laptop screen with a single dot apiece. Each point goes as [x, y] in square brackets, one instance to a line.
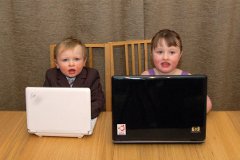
[144, 102]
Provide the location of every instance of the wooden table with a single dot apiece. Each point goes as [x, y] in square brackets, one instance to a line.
[222, 142]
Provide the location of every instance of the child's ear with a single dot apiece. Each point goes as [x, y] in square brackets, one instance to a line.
[181, 54]
[55, 61]
[85, 61]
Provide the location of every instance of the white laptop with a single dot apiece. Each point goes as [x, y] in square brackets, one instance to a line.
[62, 112]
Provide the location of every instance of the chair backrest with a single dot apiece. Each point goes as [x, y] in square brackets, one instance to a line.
[90, 52]
[137, 50]
[133, 62]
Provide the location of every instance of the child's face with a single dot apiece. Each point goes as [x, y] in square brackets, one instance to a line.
[166, 58]
[71, 61]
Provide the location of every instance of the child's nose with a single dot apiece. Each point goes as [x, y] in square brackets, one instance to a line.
[165, 56]
[71, 63]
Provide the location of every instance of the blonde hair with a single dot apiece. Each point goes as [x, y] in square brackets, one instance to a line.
[171, 37]
[69, 43]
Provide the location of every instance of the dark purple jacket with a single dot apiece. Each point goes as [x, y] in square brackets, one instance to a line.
[88, 77]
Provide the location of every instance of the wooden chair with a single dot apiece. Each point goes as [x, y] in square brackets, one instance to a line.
[90, 48]
[137, 48]
[134, 64]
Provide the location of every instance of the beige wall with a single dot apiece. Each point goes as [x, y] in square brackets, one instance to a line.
[209, 30]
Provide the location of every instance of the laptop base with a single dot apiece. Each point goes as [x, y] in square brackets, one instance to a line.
[164, 142]
[64, 134]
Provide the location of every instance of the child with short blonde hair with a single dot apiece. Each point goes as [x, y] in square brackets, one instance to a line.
[70, 71]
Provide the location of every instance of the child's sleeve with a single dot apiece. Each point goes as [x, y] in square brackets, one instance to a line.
[97, 97]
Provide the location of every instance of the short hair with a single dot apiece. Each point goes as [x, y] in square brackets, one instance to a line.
[171, 37]
[69, 43]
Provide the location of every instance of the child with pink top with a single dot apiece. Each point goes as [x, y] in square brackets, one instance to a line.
[166, 49]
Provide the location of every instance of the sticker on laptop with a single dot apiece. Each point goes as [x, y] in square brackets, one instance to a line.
[121, 129]
[196, 129]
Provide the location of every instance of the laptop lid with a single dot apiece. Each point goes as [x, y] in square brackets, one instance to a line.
[59, 111]
[159, 109]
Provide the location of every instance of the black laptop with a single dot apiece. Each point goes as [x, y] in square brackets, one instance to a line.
[159, 109]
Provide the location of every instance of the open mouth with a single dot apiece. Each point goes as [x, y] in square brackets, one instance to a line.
[71, 71]
[165, 64]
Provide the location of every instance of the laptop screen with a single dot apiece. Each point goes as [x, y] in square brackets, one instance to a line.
[55, 111]
[159, 108]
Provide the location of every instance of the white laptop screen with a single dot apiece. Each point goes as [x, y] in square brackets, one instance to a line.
[58, 110]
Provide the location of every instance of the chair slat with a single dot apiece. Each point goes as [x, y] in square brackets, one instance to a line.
[108, 80]
[126, 59]
[112, 59]
[139, 59]
[52, 62]
[133, 60]
[90, 57]
[145, 57]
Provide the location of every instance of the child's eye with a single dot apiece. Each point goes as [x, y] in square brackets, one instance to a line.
[65, 60]
[77, 59]
[159, 52]
[172, 52]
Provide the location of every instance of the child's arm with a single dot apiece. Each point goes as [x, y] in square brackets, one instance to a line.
[145, 73]
[97, 96]
[46, 81]
[50, 78]
[209, 104]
